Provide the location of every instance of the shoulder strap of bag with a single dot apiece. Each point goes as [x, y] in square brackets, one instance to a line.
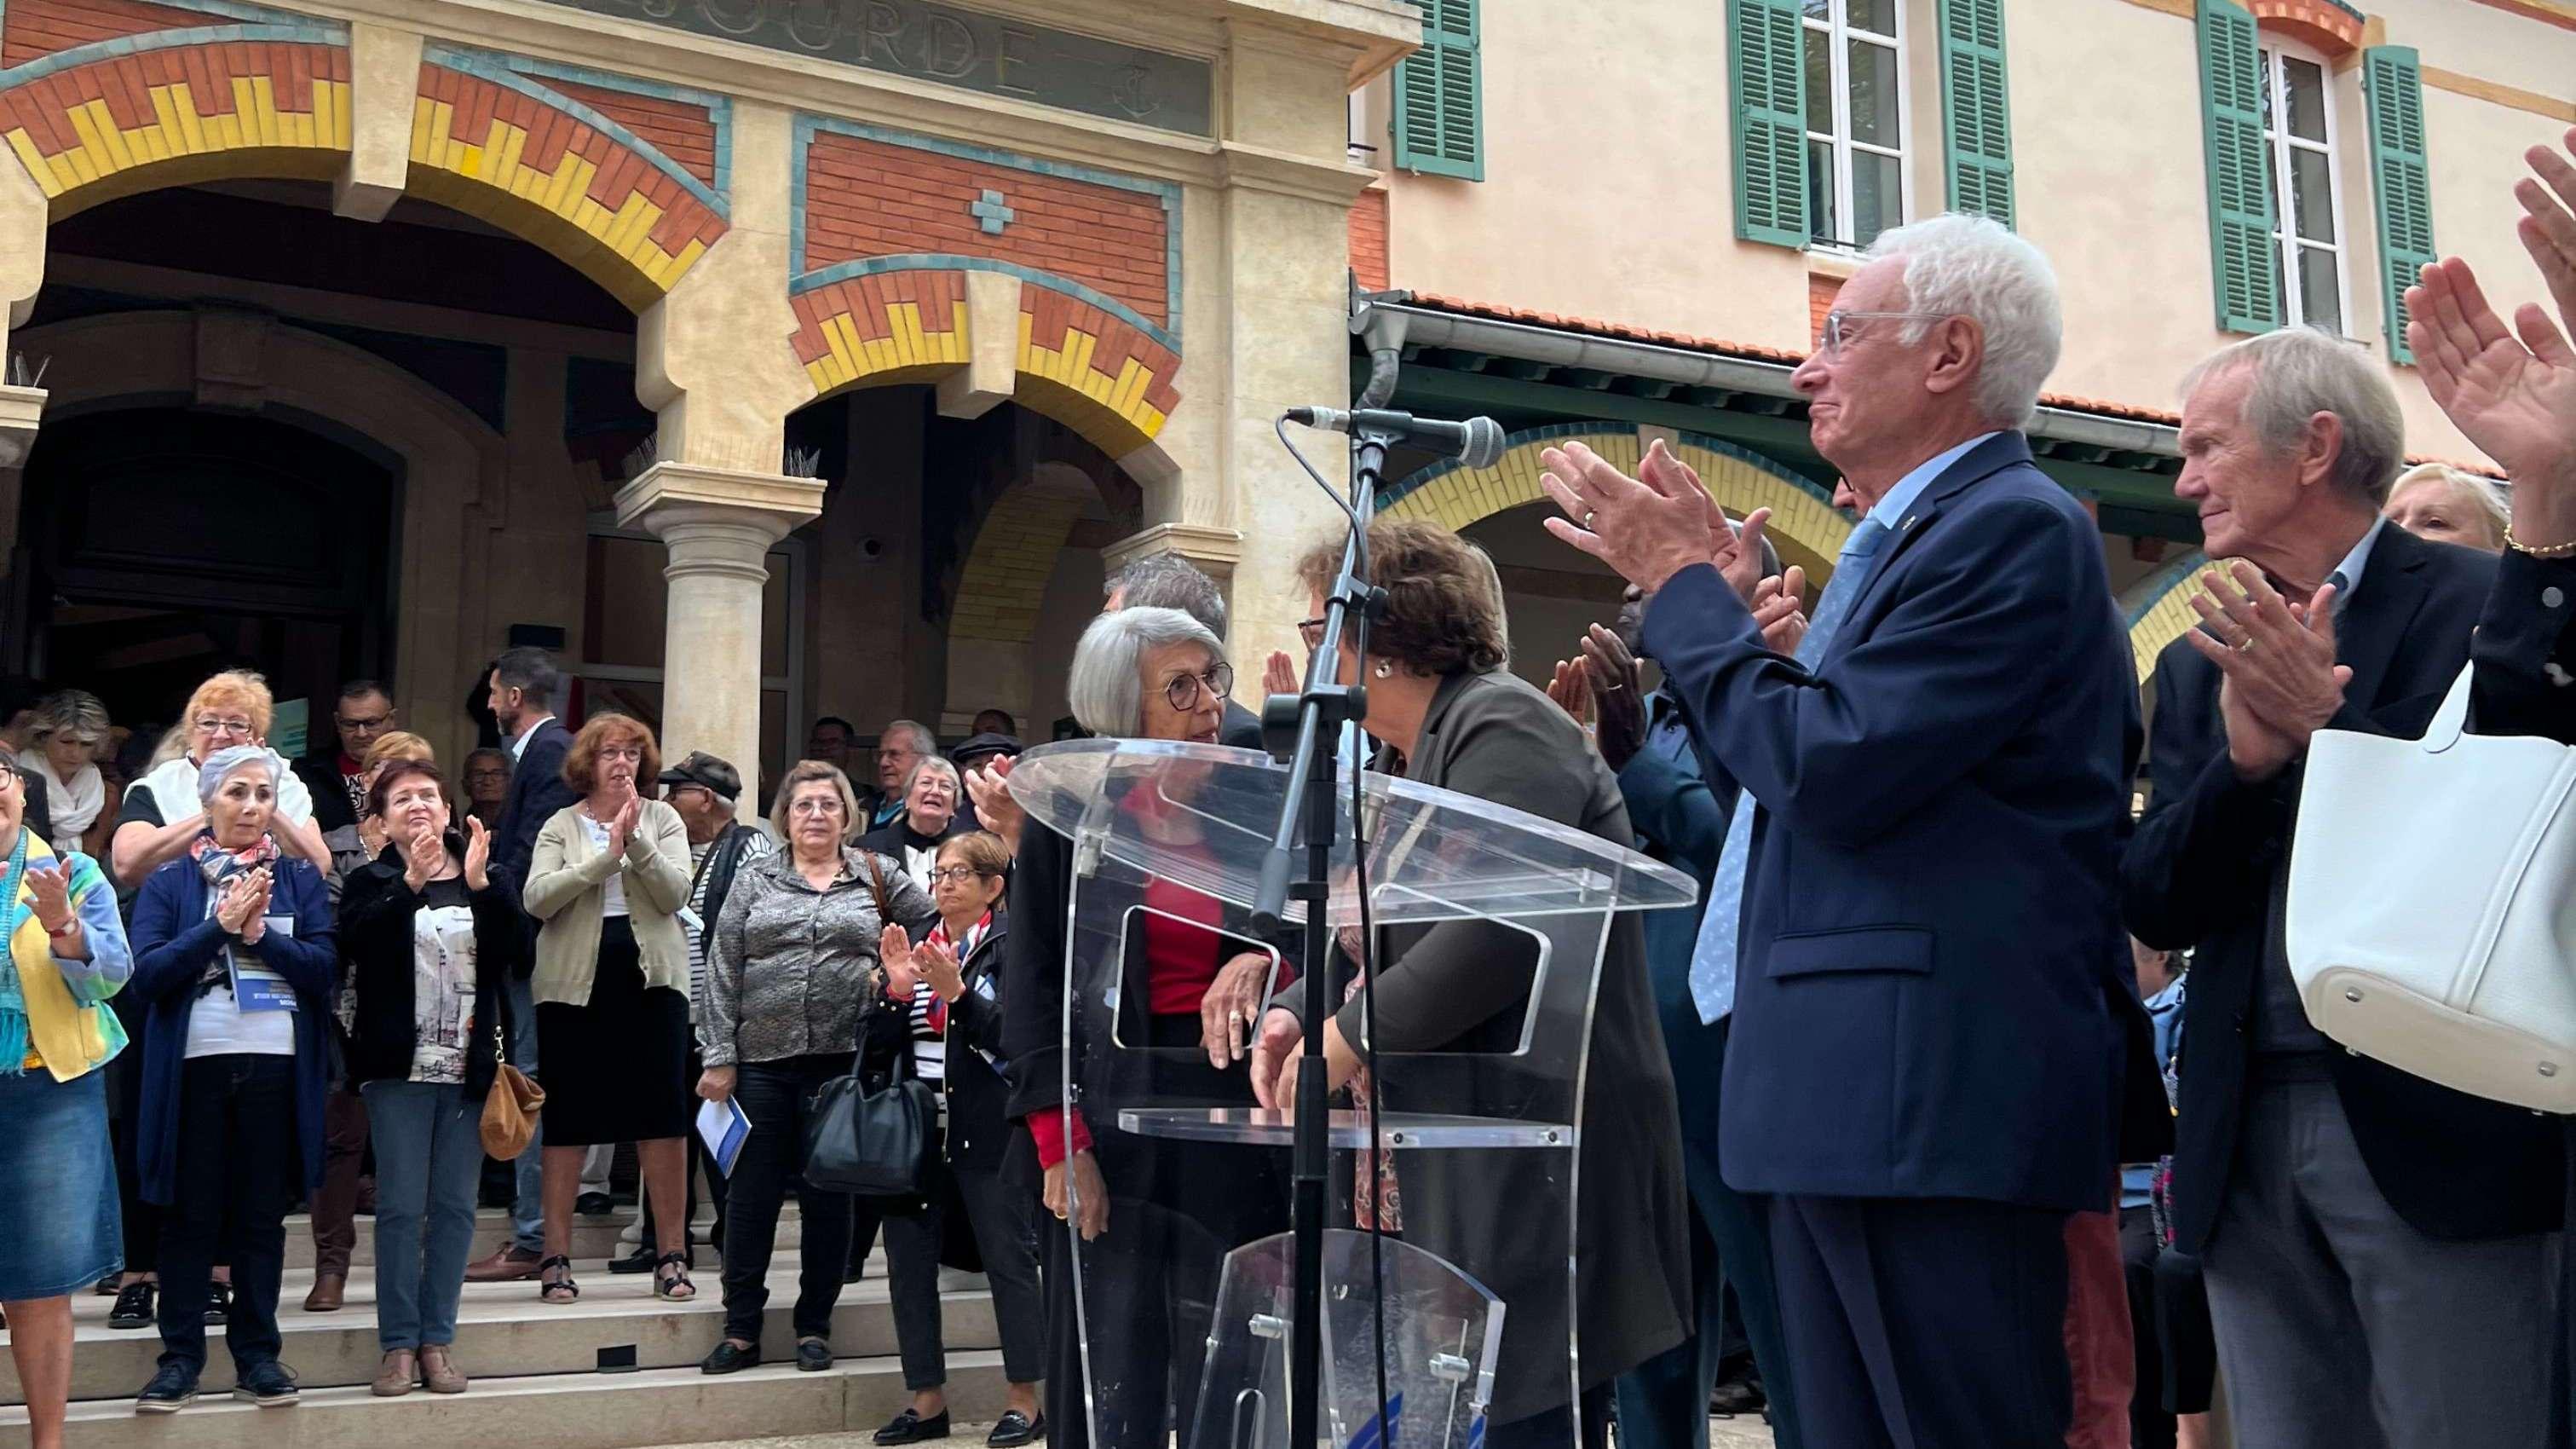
[877, 886]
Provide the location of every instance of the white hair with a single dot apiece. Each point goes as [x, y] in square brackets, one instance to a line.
[930, 764]
[2300, 372]
[923, 741]
[2486, 495]
[1971, 266]
[1106, 686]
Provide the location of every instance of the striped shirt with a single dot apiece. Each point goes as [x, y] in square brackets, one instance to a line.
[930, 1014]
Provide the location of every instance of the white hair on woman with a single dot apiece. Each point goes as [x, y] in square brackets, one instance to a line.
[2300, 372]
[1971, 266]
[1105, 686]
[231, 760]
[932, 765]
[2485, 495]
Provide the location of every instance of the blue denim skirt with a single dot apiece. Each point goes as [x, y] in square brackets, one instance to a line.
[59, 1228]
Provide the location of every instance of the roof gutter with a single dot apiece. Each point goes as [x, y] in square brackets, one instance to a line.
[1418, 326]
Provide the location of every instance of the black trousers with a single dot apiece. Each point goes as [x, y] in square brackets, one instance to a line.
[773, 1096]
[241, 1166]
[1917, 1323]
[2151, 1424]
[1555, 1428]
[142, 1220]
[1004, 1221]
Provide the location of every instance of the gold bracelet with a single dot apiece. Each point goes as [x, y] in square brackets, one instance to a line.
[2545, 550]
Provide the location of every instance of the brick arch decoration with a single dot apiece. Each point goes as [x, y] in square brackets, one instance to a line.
[2329, 25]
[1805, 526]
[889, 225]
[107, 98]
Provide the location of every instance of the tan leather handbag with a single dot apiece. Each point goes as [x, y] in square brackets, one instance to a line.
[510, 1108]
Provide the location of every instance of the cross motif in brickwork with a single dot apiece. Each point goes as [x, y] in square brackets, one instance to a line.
[990, 210]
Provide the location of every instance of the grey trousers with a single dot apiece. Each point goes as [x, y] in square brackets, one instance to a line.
[2341, 1327]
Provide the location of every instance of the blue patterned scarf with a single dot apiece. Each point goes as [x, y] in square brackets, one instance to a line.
[13, 996]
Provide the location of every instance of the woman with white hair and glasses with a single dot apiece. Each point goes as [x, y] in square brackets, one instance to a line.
[931, 794]
[1157, 1216]
[234, 960]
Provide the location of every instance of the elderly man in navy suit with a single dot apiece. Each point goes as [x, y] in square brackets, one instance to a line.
[1918, 930]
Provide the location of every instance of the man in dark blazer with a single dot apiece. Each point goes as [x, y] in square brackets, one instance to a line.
[523, 685]
[1927, 966]
[2356, 1225]
[1169, 581]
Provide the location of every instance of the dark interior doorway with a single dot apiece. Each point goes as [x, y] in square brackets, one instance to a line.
[167, 543]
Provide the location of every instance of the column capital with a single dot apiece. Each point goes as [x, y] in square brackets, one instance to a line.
[717, 520]
[1214, 550]
[21, 408]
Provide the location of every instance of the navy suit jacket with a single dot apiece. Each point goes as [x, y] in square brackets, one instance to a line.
[537, 792]
[2207, 871]
[1932, 962]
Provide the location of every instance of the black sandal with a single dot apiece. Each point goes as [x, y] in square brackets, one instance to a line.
[548, 1288]
[668, 1287]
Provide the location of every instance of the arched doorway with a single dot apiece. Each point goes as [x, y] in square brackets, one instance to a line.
[168, 543]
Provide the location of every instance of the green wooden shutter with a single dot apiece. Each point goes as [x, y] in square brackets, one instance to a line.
[2243, 256]
[2393, 85]
[1439, 96]
[1770, 79]
[1978, 119]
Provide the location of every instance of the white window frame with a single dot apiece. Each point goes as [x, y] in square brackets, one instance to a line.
[1838, 37]
[2278, 143]
[787, 552]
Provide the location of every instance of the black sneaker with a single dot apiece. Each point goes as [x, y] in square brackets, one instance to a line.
[1015, 1429]
[729, 1358]
[813, 1355]
[910, 1428]
[594, 1205]
[173, 1387]
[267, 1384]
[219, 1303]
[134, 1307]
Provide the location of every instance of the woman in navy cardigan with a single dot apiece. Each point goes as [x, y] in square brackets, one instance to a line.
[234, 962]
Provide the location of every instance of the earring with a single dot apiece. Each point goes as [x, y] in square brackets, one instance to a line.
[1384, 669]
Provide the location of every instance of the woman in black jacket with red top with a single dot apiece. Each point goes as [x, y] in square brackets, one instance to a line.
[432, 932]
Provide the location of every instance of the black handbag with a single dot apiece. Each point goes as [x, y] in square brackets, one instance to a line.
[867, 1142]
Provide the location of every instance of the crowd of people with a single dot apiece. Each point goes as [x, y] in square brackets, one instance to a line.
[1984, 1104]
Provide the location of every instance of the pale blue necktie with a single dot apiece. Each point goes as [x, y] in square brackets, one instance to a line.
[1712, 971]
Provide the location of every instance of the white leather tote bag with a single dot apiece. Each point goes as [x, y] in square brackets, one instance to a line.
[2432, 909]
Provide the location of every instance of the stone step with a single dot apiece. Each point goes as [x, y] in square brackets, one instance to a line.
[591, 1237]
[554, 1411]
[506, 1325]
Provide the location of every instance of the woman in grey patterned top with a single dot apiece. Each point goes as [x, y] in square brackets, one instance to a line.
[793, 979]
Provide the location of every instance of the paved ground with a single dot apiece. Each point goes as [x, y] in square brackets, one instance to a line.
[1722, 1434]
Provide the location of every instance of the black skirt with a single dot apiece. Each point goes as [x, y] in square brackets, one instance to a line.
[616, 1069]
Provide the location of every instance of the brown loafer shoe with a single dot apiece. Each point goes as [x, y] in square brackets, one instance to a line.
[328, 1290]
[438, 1372]
[396, 1375]
[509, 1263]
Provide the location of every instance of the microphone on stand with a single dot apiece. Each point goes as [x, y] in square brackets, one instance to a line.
[1477, 442]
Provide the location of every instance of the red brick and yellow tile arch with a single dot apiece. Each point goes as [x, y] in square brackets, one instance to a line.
[105, 98]
[888, 224]
[560, 156]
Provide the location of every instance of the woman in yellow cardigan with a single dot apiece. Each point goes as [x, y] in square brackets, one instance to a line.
[607, 880]
[66, 954]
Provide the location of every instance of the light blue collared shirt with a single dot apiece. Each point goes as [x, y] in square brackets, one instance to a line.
[1898, 502]
[2353, 564]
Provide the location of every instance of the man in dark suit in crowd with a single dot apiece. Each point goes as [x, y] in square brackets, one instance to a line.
[363, 713]
[1681, 819]
[523, 685]
[2356, 1225]
[1918, 931]
[1169, 581]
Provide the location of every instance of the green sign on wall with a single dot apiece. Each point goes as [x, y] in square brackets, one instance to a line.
[962, 48]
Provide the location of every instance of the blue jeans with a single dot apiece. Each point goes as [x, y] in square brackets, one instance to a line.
[429, 1156]
[528, 1207]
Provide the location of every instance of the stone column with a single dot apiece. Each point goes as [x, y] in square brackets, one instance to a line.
[718, 525]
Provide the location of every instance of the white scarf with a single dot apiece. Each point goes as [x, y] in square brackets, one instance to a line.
[72, 804]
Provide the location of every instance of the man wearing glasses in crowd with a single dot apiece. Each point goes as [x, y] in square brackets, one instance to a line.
[363, 714]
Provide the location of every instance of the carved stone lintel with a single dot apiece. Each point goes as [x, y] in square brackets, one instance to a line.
[1214, 550]
[231, 348]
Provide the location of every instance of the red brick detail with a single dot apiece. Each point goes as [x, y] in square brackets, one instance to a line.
[1368, 240]
[680, 130]
[1821, 292]
[2329, 28]
[621, 172]
[38, 28]
[872, 199]
[865, 299]
[125, 83]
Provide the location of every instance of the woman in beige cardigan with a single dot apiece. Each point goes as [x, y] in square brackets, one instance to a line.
[606, 882]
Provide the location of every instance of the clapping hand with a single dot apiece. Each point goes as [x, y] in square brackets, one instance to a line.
[1618, 695]
[2277, 662]
[621, 828]
[1571, 687]
[50, 885]
[1779, 610]
[894, 948]
[1646, 528]
[423, 854]
[938, 966]
[989, 787]
[1737, 551]
[1279, 674]
[478, 854]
